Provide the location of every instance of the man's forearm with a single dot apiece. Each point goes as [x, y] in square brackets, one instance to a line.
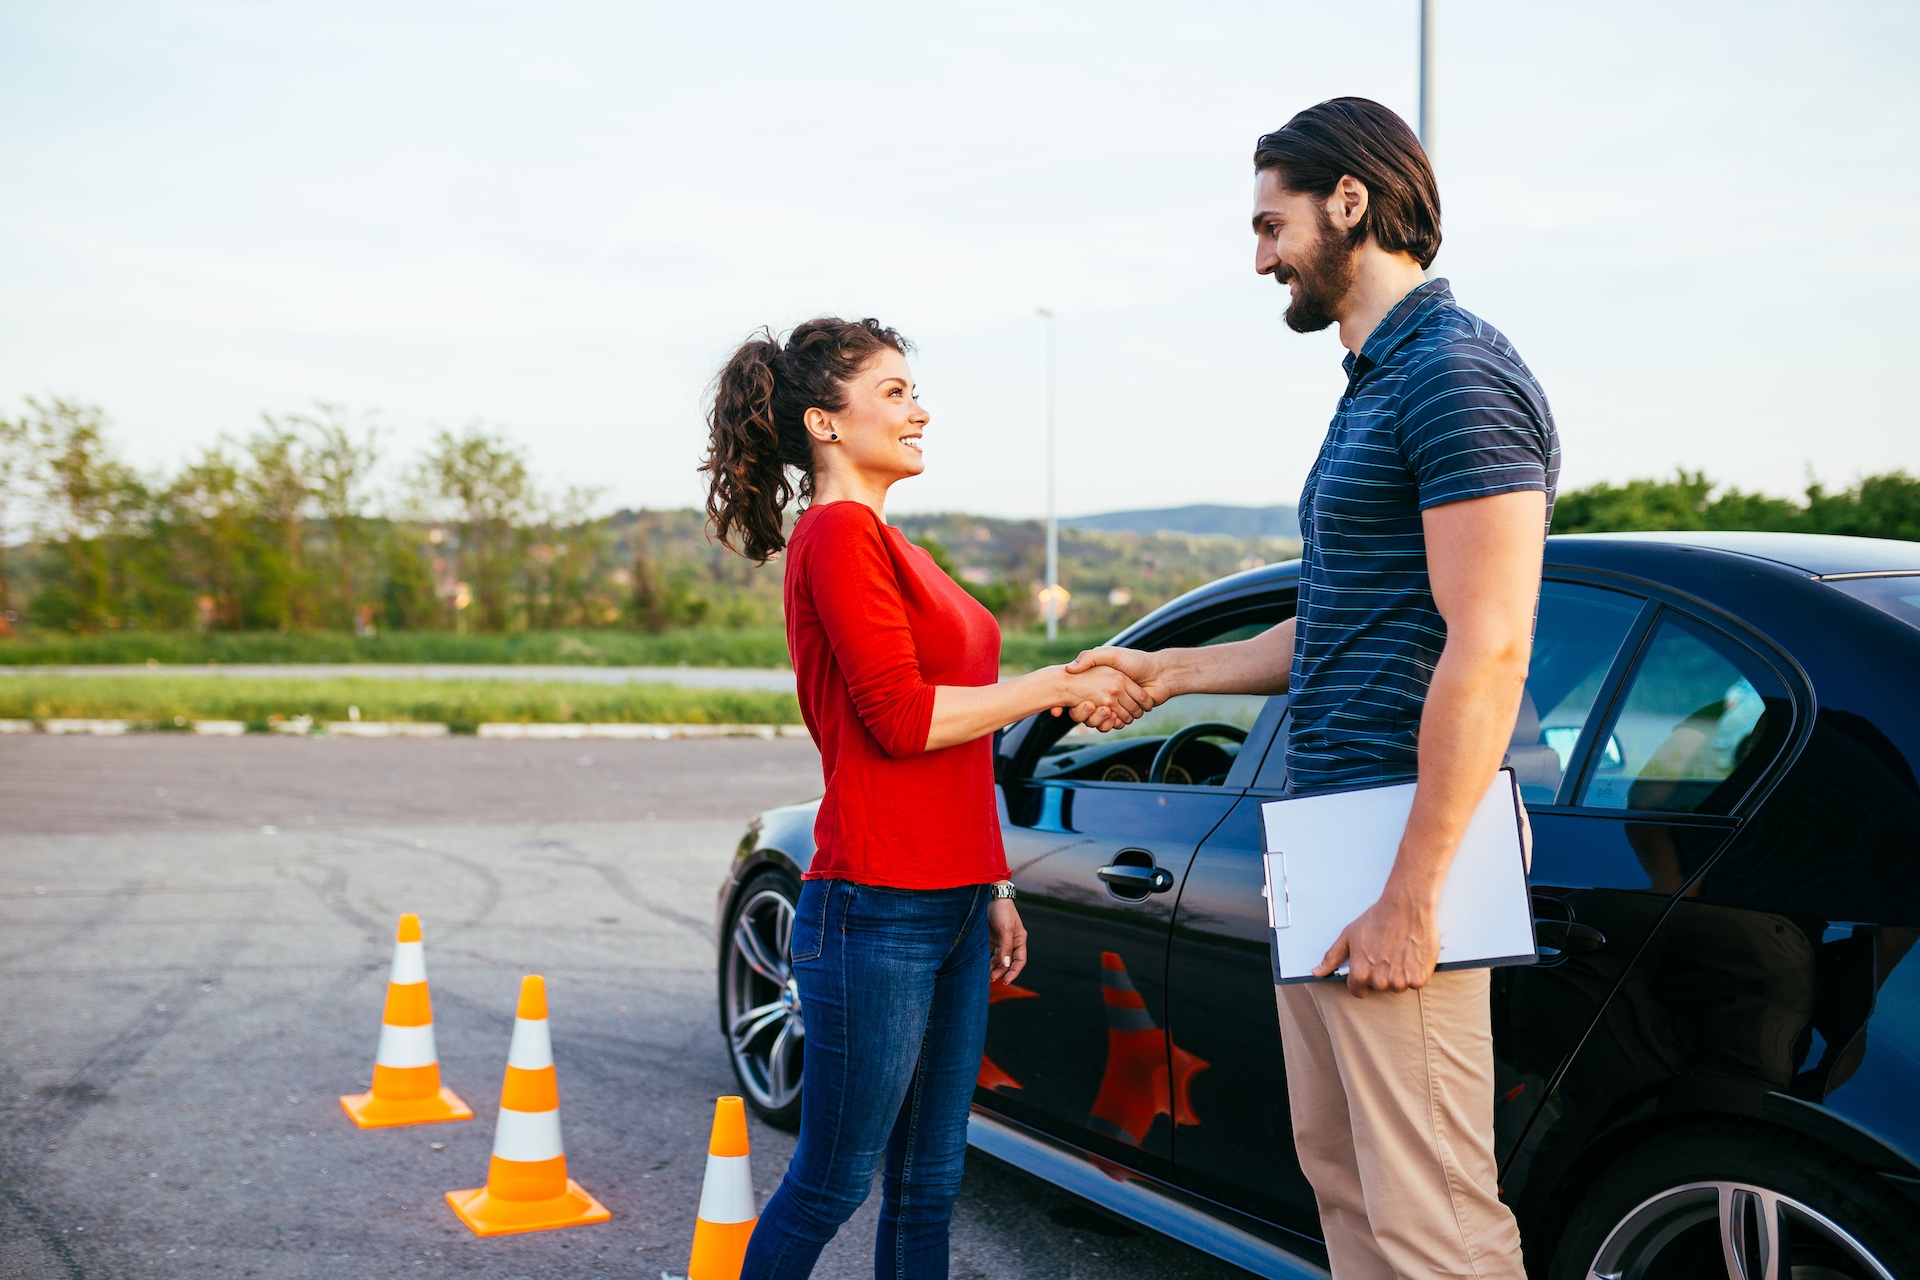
[1261, 664]
[1464, 730]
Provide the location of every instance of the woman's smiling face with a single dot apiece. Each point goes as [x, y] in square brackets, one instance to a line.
[879, 430]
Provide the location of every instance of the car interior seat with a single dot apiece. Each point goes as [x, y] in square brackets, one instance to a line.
[1535, 764]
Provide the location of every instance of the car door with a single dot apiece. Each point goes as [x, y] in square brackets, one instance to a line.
[1701, 714]
[1220, 979]
[1078, 1047]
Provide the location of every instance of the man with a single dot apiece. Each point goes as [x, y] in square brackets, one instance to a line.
[1424, 520]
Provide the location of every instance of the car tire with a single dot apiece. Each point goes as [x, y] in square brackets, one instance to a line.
[1661, 1212]
[759, 1003]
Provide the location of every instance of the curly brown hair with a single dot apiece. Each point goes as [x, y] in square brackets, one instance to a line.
[756, 429]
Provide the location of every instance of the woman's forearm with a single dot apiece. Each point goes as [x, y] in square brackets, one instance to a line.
[962, 713]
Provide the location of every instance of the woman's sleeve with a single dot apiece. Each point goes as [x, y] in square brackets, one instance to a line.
[857, 596]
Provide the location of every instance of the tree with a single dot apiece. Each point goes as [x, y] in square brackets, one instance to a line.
[14, 467]
[91, 501]
[479, 479]
[281, 487]
[339, 463]
[1882, 506]
[998, 598]
[409, 596]
[568, 545]
[209, 499]
[652, 606]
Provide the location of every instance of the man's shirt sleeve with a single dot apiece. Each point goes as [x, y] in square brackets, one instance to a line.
[1472, 426]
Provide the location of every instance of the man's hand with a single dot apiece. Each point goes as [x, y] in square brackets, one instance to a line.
[1148, 670]
[1393, 946]
[1008, 940]
[1257, 665]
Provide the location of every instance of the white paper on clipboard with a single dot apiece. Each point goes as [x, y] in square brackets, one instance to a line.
[1328, 857]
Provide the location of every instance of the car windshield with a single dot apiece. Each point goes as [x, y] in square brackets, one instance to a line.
[1897, 594]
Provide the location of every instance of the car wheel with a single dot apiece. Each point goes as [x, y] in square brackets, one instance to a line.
[759, 1001]
[1731, 1199]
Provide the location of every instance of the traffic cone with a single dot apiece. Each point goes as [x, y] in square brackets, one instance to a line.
[527, 1184]
[406, 1070]
[991, 1076]
[1147, 1075]
[727, 1215]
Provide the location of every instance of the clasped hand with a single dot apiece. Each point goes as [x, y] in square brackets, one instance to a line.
[1109, 688]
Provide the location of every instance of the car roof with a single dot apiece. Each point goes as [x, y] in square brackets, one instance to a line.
[1819, 554]
[1643, 554]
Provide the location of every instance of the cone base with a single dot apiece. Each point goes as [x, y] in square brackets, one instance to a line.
[493, 1217]
[370, 1112]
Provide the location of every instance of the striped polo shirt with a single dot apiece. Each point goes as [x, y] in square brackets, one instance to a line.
[1439, 408]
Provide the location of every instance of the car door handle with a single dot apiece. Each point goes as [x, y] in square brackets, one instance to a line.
[1568, 936]
[1138, 879]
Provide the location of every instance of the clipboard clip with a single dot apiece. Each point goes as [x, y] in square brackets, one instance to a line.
[1280, 904]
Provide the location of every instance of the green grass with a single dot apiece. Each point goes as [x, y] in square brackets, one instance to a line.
[697, 647]
[1026, 650]
[161, 700]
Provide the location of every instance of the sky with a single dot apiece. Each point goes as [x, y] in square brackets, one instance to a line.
[1693, 220]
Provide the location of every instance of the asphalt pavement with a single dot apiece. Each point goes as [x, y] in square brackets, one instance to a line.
[194, 938]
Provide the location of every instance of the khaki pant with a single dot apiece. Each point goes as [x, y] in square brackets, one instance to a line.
[1392, 1101]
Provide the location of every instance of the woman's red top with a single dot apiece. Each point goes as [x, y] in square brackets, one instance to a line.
[873, 625]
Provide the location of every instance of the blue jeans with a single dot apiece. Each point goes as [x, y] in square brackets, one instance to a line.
[893, 995]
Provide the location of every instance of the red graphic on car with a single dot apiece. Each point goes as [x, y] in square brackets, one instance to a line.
[991, 1076]
[1147, 1074]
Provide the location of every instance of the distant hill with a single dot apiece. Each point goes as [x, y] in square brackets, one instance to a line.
[1206, 518]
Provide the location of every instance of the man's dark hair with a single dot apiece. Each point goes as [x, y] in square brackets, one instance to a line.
[1361, 138]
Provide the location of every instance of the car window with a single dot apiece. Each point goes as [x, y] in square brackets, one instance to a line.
[1578, 636]
[1219, 724]
[1897, 594]
[1700, 719]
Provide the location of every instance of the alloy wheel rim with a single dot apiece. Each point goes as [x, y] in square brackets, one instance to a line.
[1762, 1235]
[765, 1031]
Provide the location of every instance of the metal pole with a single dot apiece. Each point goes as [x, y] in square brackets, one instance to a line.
[1053, 524]
[1426, 76]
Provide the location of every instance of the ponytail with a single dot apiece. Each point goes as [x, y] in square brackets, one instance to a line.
[756, 428]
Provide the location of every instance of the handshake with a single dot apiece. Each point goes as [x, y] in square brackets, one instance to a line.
[1109, 687]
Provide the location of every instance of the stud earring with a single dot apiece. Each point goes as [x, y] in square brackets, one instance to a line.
[833, 435]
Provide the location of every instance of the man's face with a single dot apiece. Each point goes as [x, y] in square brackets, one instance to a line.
[1296, 243]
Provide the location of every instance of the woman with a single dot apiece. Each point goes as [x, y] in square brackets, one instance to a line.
[906, 914]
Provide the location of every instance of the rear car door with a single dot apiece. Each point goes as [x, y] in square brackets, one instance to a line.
[1702, 713]
[1098, 841]
[1220, 979]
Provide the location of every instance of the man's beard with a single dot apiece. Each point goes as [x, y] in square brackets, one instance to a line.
[1325, 276]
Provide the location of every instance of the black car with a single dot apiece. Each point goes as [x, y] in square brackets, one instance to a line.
[1712, 1069]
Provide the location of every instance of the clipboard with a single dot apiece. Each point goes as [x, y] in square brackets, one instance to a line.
[1329, 854]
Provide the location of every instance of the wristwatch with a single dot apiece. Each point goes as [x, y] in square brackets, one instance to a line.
[1002, 889]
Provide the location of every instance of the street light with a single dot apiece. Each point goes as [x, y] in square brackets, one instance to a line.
[1426, 76]
[1051, 595]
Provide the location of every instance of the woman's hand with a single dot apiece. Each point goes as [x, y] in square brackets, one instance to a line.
[1103, 696]
[1009, 940]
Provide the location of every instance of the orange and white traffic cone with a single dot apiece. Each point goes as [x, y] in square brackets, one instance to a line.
[406, 1069]
[727, 1215]
[527, 1184]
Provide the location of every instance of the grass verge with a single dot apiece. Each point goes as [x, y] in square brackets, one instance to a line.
[169, 702]
[696, 646]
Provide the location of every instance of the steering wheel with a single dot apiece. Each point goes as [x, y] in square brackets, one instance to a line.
[1163, 758]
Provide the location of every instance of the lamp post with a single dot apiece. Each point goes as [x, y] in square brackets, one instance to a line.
[1426, 76]
[1051, 594]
